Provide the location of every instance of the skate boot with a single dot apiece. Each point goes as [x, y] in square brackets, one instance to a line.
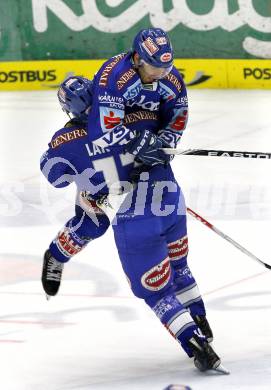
[203, 324]
[51, 274]
[205, 357]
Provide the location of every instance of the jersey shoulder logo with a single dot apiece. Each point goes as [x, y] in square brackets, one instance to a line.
[125, 77]
[175, 81]
[68, 137]
[108, 69]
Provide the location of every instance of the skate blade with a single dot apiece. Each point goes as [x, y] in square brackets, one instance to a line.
[221, 370]
[48, 297]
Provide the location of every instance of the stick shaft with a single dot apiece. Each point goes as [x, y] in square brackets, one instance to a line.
[227, 238]
[217, 153]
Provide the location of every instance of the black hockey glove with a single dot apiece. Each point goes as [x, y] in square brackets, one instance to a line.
[136, 172]
[147, 148]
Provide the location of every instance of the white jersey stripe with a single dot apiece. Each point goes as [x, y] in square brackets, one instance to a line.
[189, 295]
[181, 321]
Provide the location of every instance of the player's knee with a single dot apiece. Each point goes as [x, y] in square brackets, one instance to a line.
[95, 230]
[91, 228]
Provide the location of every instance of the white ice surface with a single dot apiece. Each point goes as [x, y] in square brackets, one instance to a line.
[95, 334]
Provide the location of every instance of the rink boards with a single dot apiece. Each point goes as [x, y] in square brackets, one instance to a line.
[197, 73]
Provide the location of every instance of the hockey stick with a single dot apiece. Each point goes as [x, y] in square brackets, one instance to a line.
[217, 153]
[227, 238]
[105, 205]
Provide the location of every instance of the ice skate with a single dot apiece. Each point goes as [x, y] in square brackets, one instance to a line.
[203, 324]
[205, 358]
[51, 274]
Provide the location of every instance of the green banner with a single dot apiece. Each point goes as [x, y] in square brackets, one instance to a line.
[93, 29]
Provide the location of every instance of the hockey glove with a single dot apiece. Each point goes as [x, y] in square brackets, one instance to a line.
[136, 172]
[146, 147]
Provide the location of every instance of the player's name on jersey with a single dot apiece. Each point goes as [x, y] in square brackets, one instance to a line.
[67, 137]
[94, 150]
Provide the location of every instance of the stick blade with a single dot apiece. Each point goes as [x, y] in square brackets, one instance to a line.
[221, 370]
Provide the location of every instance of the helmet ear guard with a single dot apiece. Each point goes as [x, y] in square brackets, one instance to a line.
[75, 96]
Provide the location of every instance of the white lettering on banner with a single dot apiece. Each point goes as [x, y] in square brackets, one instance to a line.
[218, 16]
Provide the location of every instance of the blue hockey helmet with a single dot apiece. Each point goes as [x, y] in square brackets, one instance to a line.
[75, 96]
[154, 47]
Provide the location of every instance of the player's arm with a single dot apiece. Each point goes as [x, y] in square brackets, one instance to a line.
[56, 168]
[174, 112]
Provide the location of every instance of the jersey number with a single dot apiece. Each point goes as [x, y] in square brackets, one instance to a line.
[108, 167]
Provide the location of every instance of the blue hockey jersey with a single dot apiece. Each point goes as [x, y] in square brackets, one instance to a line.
[118, 91]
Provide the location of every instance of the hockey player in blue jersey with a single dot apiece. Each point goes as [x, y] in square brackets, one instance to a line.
[153, 249]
